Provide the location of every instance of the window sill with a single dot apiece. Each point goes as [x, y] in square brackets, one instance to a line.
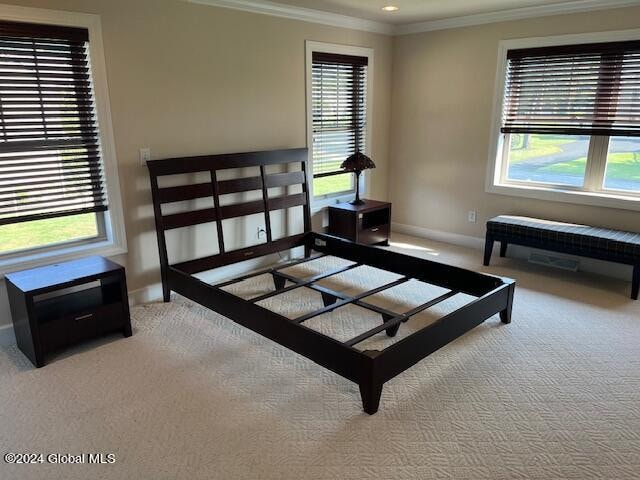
[321, 203]
[596, 199]
[36, 259]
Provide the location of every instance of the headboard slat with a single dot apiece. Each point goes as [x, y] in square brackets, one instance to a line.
[185, 192]
[285, 179]
[188, 219]
[173, 166]
[289, 201]
[205, 215]
[238, 185]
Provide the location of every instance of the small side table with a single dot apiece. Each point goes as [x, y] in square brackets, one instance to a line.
[368, 223]
[47, 323]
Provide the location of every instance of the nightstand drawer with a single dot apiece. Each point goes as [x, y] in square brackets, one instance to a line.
[80, 326]
[373, 235]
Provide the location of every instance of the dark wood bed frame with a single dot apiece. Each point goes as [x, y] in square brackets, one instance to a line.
[370, 369]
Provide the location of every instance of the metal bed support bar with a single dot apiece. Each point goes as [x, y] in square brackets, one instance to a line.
[398, 319]
[339, 295]
[348, 300]
[302, 283]
[268, 270]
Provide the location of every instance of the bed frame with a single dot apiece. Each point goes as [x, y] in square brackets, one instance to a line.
[370, 369]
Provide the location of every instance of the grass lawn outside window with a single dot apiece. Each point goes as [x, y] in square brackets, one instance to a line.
[38, 233]
[562, 160]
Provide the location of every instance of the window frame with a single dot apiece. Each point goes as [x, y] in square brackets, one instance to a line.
[318, 203]
[593, 192]
[111, 239]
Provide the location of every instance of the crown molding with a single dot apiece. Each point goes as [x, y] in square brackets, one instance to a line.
[304, 14]
[266, 7]
[514, 14]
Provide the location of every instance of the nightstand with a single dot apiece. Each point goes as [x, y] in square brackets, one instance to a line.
[368, 223]
[45, 321]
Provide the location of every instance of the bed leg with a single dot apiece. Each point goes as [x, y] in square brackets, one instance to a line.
[328, 299]
[391, 331]
[370, 394]
[635, 283]
[505, 315]
[488, 248]
[278, 281]
[503, 248]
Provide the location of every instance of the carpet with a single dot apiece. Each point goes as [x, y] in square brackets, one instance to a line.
[555, 394]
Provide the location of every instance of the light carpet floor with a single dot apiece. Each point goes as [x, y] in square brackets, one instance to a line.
[555, 394]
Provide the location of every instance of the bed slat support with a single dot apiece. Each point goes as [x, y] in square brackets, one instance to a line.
[303, 283]
[397, 320]
[350, 299]
[332, 296]
[268, 270]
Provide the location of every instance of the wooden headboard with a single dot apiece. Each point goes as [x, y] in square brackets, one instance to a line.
[212, 164]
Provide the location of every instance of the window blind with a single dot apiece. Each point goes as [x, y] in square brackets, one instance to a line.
[575, 89]
[339, 84]
[50, 161]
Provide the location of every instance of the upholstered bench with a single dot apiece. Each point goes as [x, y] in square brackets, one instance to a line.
[601, 243]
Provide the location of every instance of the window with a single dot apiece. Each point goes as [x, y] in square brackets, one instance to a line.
[339, 117]
[50, 164]
[571, 121]
[53, 180]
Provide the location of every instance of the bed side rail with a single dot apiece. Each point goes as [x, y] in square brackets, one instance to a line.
[447, 276]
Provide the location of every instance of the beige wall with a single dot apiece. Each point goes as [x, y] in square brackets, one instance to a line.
[442, 101]
[191, 79]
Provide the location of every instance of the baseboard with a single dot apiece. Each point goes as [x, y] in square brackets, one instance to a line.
[439, 236]
[6, 335]
[148, 294]
[600, 267]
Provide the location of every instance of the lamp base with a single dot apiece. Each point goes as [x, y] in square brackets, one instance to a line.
[357, 202]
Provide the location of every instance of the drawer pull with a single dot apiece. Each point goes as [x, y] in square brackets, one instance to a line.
[375, 229]
[248, 254]
[84, 317]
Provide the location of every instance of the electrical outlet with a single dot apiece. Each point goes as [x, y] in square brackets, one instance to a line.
[472, 216]
[145, 155]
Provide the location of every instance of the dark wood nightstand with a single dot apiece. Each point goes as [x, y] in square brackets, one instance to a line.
[368, 223]
[44, 323]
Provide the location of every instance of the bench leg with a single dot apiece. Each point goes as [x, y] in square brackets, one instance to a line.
[503, 248]
[488, 248]
[635, 283]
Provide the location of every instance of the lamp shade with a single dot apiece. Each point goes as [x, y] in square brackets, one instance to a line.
[357, 162]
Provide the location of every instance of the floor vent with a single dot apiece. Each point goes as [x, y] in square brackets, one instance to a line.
[556, 262]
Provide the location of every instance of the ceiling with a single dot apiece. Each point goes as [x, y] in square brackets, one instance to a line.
[412, 11]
